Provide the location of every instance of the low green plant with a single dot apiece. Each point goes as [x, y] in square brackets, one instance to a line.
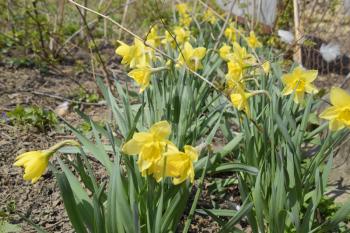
[32, 116]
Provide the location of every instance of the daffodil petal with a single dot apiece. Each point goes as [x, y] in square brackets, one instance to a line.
[162, 129]
[330, 113]
[339, 97]
[336, 125]
[309, 75]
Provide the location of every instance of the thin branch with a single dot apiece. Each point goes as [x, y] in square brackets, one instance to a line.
[106, 73]
[66, 99]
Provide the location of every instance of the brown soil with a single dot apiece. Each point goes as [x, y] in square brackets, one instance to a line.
[40, 202]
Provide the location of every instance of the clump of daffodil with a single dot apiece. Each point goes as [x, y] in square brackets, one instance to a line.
[159, 157]
[135, 55]
[253, 41]
[36, 162]
[150, 146]
[339, 113]
[209, 17]
[230, 33]
[180, 34]
[192, 56]
[299, 82]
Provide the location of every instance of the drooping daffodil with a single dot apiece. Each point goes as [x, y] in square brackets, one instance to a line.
[36, 162]
[339, 113]
[239, 99]
[142, 76]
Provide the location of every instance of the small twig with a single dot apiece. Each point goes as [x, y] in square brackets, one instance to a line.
[106, 73]
[123, 18]
[66, 99]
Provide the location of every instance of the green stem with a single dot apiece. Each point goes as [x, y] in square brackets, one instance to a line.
[196, 197]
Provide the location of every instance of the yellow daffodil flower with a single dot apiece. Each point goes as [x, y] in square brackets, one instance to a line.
[300, 81]
[239, 99]
[266, 67]
[225, 52]
[135, 55]
[210, 17]
[253, 42]
[142, 76]
[182, 8]
[235, 73]
[152, 38]
[36, 162]
[178, 165]
[192, 56]
[185, 20]
[149, 145]
[241, 55]
[339, 113]
[180, 34]
[230, 33]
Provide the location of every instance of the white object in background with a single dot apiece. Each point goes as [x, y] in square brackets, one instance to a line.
[263, 10]
[330, 51]
[347, 7]
[286, 36]
[62, 109]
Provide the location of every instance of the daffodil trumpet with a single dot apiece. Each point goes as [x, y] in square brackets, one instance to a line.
[36, 162]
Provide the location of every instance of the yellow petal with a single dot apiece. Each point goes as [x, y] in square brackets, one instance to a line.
[309, 75]
[192, 152]
[123, 49]
[339, 97]
[134, 146]
[288, 79]
[330, 113]
[199, 52]
[336, 125]
[161, 129]
[310, 88]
